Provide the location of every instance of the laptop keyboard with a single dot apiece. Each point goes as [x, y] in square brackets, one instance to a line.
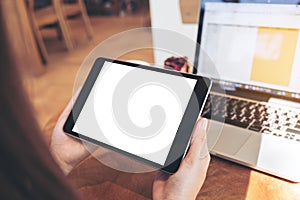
[256, 116]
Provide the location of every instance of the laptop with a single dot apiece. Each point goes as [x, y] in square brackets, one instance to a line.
[251, 49]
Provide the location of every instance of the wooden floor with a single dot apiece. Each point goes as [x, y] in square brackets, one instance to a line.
[51, 91]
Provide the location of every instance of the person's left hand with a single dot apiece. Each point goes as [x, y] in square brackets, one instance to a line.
[67, 151]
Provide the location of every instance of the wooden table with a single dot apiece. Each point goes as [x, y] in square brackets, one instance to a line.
[225, 180]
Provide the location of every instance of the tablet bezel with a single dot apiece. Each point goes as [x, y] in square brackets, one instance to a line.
[184, 131]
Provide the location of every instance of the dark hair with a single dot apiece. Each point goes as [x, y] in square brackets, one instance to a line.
[27, 169]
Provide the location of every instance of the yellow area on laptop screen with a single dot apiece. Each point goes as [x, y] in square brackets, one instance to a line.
[274, 55]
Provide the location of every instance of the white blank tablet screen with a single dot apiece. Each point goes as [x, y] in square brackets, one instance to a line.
[135, 110]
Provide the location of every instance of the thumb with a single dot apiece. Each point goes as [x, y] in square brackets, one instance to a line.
[198, 147]
[64, 115]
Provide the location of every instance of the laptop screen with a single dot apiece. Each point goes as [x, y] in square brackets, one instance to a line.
[251, 44]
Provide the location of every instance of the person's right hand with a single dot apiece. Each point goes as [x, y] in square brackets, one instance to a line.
[188, 180]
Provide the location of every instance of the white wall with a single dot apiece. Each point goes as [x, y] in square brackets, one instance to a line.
[165, 14]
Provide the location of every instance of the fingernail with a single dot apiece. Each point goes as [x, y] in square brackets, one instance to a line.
[203, 124]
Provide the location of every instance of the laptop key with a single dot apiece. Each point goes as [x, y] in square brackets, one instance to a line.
[266, 130]
[256, 128]
[297, 126]
[236, 123]
[290, 130]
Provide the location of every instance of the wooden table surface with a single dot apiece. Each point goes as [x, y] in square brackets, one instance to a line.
[225, 180]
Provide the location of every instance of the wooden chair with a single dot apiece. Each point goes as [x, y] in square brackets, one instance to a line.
[43, 18]
[75, 8]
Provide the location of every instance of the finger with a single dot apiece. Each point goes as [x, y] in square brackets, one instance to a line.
[162, 176]
[198, 147]
[69, 106]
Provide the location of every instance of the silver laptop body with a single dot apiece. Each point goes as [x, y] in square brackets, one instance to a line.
[252, 51]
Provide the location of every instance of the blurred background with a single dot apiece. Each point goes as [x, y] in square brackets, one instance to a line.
[55, 36]
[51, 39]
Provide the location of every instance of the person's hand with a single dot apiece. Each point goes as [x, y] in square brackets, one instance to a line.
[188, 180]
[67, 151]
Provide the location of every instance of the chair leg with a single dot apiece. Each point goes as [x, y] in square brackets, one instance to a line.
[43, 50]
[66, 34]
[63, 24]
[39, 39]
[86, 21]
[59, 33]
[41, 45]
[88, 26]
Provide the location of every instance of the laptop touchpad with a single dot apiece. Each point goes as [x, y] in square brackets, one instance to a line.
[231, 139]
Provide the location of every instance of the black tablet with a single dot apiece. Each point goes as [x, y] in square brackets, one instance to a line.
[143, 112]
